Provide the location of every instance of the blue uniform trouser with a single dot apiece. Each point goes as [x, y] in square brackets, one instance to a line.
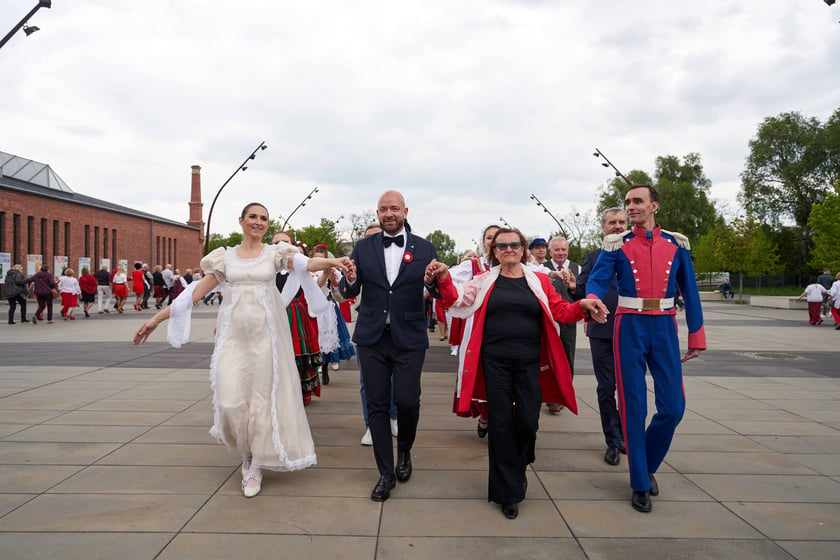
[643, 341]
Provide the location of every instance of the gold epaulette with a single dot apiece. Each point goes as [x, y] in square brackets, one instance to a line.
[614, 241]
[681, 239]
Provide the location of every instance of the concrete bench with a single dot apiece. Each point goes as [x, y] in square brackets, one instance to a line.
[778, 302]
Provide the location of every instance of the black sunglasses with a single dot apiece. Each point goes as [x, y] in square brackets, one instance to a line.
[515, 245]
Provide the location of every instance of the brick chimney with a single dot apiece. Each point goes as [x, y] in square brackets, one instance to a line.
[196, 206]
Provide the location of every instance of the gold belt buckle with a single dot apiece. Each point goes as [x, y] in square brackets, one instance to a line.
[650, 304]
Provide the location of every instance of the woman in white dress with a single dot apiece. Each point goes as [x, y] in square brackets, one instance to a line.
[257, 402]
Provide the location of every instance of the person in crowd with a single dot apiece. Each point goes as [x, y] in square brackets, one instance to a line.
[15, 291]
[539, 250]
[345, 349]
[158, 286]
[179, 284]
[212, 297]
[367, 439]
[461, 328]
[834, 299]
[43, 285]
[613, 221]
[68, 287]
[825, 280]
[258, 408]
[138, 282]
[391, 333]
[187, 276]
[725, 289]
[813, 294]
[148, 282]
[167, 281]
[304, 330]
[89, 288]
[103, 290]
[649, 266]
[119, 282]
[514, 332]
[197, 275]
[565, 285]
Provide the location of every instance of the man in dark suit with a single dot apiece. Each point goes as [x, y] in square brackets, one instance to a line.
[391, 333]
[613, 220]
[558, 248]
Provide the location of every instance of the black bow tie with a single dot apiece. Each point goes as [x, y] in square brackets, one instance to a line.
[399, 240]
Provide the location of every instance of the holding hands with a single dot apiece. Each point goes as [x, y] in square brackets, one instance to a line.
[596, 308]
[435, 270]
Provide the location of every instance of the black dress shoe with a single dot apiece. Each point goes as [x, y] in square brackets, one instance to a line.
[382, 490]
[641, 501]
[481, 429]
[404, 465]
[611, 457]
[510, 510]
[654, 487]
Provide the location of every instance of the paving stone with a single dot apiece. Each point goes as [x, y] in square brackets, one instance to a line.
[90, 546]
[768, 488]
[532, 548]
[144, 480]
[102, 512]
[786, 521]
[684, 549]
[223, 546]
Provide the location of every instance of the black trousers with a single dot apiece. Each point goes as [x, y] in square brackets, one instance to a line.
[13, 301]
[568, 336]
[378, 363]
[603, 363]
[512, 432]
[44, 301]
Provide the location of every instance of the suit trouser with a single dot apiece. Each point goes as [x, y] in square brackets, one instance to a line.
[512, 431]
[603, 362]
[650, 340]
[568, 336]
[378, 363]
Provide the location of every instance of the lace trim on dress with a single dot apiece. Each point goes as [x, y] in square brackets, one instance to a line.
[221, 339]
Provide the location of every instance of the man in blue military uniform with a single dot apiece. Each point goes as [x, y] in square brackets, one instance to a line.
[650, 266]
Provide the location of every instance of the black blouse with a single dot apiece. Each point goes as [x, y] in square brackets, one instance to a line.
[513, 320]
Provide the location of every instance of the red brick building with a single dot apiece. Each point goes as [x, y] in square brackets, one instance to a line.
[41, 215]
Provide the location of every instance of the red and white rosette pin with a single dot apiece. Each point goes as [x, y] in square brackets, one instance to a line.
[408, 257]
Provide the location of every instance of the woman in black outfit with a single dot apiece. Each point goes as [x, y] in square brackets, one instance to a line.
[514, 334]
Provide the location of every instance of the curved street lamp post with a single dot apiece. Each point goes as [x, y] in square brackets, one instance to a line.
[242, 167]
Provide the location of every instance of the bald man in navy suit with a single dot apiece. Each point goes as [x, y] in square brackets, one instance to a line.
[391, 333]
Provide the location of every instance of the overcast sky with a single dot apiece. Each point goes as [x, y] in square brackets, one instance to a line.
[466, 107]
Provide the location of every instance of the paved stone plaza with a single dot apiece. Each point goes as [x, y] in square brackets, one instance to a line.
[104, 453]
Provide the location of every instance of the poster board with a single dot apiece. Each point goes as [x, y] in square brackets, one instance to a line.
[33, 264]
[5, 265]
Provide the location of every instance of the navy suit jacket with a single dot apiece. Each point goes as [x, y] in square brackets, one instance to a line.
[593, 329]
[403, 300]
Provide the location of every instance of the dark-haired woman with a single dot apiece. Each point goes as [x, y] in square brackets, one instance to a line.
[257, 402]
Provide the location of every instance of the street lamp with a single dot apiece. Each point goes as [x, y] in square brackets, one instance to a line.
[241, 167]
[23, 24]
[546, 210]
[507, 225]
[598, 153]
[298, 207]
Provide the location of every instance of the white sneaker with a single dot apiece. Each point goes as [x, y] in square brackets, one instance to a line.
[394, 427]
[366, 439]
[453, 351]
[334, 366]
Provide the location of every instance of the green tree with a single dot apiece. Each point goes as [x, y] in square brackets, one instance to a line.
[705, 253]
[445, 247]
[824, 222]
[684, 204]
[323, 233]
[218, 240]
[786, 170]
[745, 248]
[612, 194]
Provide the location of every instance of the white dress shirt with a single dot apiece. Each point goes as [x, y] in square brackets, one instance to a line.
[394, 256]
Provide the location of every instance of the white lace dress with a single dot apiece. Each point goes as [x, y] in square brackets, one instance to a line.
[257, 402]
